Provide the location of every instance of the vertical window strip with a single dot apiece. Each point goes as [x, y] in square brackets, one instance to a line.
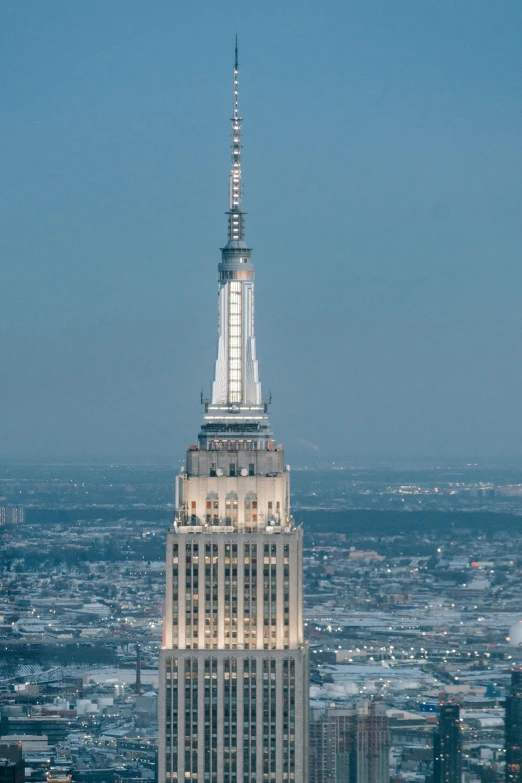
[273, 719]
[175, 595]
[191, 717]
[292, 719]
[249, 721]
[172, 718]
[235, 341]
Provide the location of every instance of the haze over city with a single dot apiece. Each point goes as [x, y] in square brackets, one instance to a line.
[382, 168]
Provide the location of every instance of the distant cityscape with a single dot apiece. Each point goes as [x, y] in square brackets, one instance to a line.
[330, 485]
[397, 611]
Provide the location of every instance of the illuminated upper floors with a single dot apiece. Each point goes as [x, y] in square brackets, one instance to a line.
[234, 591]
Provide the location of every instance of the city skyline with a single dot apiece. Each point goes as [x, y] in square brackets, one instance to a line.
[385, 142]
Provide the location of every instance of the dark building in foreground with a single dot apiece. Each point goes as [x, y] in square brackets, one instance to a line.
[12, 769]
[54, 728]
[350, 745]
[447, 756]
[322, 745]
[514, 728]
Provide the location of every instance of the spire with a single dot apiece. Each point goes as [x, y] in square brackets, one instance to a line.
[235, 215]
[236, 411]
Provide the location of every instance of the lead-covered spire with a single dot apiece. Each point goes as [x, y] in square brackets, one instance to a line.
[235, 215]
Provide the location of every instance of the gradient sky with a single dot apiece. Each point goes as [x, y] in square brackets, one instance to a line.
[383, 181]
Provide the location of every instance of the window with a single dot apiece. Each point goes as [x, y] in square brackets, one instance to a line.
[232, 469]
[251, 469]
[213, 469]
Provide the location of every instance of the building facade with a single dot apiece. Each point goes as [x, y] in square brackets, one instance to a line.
[233, 700]
[350, 745]
[11, 515]
[447, 753]
[322, 746]
[514, 728]
[12, 768]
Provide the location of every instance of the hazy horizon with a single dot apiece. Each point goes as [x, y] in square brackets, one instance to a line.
[299, 461]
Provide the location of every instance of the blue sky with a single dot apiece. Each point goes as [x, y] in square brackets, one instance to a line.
[383, 184]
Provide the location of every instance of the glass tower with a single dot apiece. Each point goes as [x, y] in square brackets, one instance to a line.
[233, 702]
[447, 755]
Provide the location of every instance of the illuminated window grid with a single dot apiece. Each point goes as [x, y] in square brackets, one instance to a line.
[235, 363]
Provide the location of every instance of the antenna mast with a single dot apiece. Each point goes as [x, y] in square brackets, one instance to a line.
[235, 215]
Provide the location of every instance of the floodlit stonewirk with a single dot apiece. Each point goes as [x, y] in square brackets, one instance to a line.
[233, 704]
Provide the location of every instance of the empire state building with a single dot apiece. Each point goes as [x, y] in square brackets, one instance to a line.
[233, 705]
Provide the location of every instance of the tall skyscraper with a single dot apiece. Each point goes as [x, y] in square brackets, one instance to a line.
[447, 756]
[233, 702]
[350, 745]
[514, 728]
[322, 747]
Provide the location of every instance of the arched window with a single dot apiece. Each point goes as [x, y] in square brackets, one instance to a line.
[250, 511]
[231, 509]
[212, 510]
